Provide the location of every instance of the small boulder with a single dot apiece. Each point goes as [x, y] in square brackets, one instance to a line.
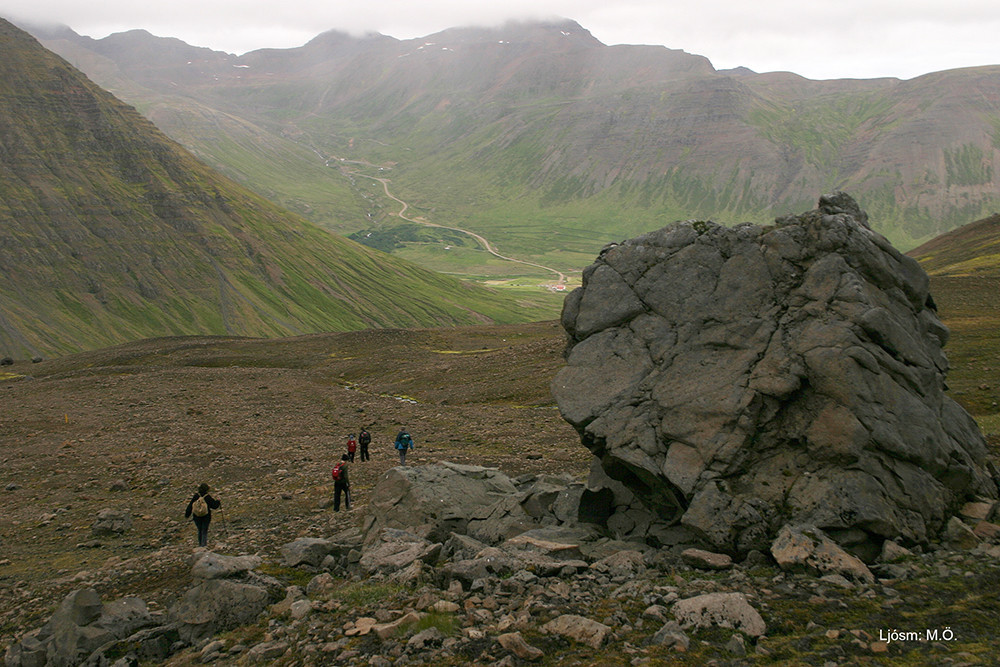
[727, 610]
[209, 565]
[671, 635]
[623, 563]
[808, 548]
[706, 560]
[959, 536]
[306, 551]
[578, 628]
[386, 630]
[396, 550]
[111, 522]
[892, 551]
[515, 644]
[977, 511]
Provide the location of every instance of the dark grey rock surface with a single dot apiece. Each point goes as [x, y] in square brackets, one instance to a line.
[735, 379]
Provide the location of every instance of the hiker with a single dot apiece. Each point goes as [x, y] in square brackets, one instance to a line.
[200, 508]
[352, 446]
[364, 438]
[403, 442]
[341, 484]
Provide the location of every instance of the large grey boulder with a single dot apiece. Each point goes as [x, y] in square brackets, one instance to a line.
[228, 593]
[807, 548]
[307, 551]
[727, 610]
[739, 379]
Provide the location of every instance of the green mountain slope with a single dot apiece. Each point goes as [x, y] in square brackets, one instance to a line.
[110, 232]
[971, 250]
[964, 266]
[550, 143]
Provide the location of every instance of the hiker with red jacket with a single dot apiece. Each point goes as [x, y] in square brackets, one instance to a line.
[200, 508]
[341, 484]
[352, 446]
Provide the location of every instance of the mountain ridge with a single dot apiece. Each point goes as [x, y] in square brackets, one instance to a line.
[541, 126]
[112, 232]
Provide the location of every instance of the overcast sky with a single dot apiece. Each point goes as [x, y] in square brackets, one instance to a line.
[819, 39]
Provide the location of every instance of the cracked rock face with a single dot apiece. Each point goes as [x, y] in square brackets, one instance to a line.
[737, 379]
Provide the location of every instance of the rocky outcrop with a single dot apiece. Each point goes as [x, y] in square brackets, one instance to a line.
[436, 501]
[738, 379]
[227, 593]
[81, 627]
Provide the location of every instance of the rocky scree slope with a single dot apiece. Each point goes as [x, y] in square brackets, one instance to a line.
[458, 564]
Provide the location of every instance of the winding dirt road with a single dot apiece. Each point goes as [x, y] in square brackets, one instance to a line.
[487, 246]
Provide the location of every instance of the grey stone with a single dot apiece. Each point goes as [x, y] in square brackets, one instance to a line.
[517, 646]
[111, 522]
[440, 499]
[671, 635]
[265, 651]
[959, 536]
[217, 605]
[726, 610]
[579, 628]
[706, 560]
[396, 550]
[209, 565]
[307, 551]
[791, 374]
[80, 626]
[809, 549]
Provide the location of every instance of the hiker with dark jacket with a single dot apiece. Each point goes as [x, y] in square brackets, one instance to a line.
[403, 442]
[200, 507]
[341, 484]
[364, 439]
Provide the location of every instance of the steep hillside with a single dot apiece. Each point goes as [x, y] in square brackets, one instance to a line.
[550, 143]
[964, 266]
[970, 250]
[111, 232]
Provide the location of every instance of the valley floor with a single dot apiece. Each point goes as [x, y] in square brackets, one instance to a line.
[137, 427]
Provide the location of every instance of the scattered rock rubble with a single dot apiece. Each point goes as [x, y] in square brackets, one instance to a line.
[499, 597]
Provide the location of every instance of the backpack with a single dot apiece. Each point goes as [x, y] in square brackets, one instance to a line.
[364, 438]
[199, 507]
[338, 472]
[352, 445]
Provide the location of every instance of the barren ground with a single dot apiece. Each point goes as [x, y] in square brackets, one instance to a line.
[262, 421]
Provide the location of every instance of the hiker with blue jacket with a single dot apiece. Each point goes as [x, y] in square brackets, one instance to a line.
[200, 508]
[403, 442]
